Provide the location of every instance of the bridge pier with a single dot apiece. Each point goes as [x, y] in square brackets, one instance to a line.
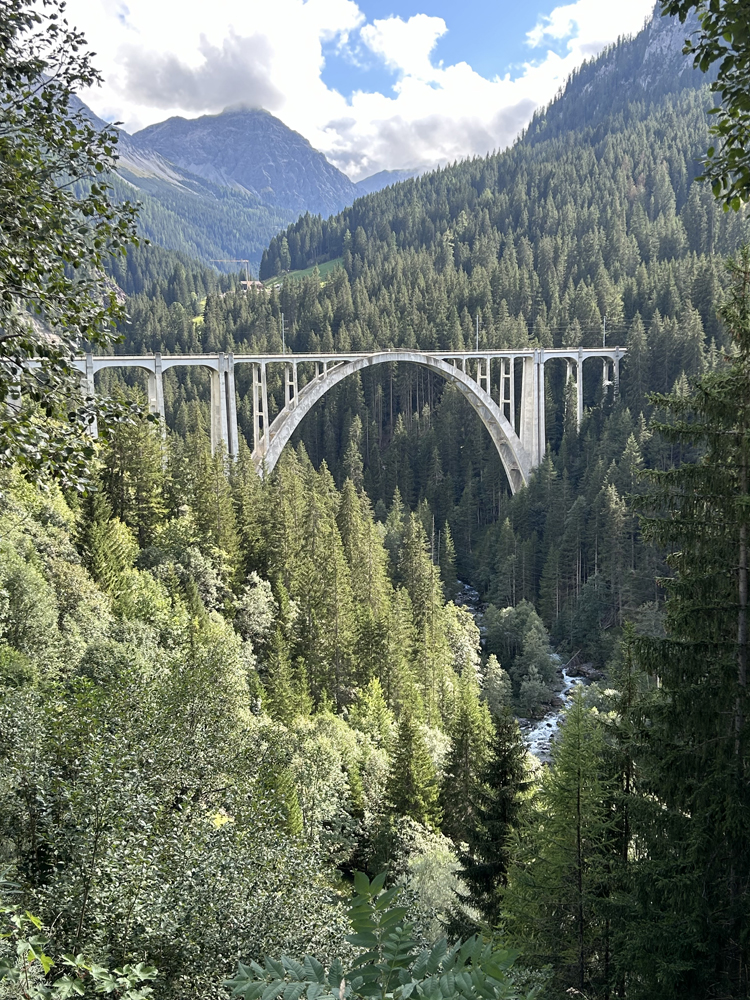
[89, 390]
[261, 425]
[533, 425]
[156, 393]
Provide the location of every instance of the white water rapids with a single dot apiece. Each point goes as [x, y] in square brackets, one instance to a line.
[539, 735]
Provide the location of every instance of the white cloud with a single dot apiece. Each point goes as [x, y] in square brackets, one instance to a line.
[239, 67]
[590, 24]
[405, 46]
[163, 57]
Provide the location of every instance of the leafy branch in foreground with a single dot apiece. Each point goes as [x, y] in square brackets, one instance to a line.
[25, 965]
[60, 225]
[724, 38]
[386, 963]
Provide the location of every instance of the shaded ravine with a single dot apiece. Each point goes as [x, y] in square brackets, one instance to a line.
[538, 734]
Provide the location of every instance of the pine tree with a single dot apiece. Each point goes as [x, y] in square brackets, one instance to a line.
[469, 732]
[690, 896]
[413, 789]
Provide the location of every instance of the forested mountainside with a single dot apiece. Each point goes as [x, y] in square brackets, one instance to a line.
[542, 243]
[242, 617]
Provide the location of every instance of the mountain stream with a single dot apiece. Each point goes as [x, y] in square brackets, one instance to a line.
[538, 734]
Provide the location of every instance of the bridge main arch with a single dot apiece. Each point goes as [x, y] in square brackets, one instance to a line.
[514, 456]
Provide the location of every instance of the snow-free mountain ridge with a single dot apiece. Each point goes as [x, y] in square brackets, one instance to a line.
[220, 186]
[253, 151]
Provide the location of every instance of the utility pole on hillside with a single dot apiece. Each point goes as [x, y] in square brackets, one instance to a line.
[283, 335]
[235, 260]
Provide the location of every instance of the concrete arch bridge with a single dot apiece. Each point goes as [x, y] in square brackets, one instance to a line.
[505, 388]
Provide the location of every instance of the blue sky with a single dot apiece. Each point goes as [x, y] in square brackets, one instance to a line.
[491, 37]
[374, 84]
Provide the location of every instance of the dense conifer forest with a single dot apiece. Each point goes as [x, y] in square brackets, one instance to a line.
[228, 702]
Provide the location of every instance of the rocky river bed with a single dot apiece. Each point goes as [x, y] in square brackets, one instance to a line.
[538, 734]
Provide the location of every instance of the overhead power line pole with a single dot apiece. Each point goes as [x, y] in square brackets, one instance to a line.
[234, 260]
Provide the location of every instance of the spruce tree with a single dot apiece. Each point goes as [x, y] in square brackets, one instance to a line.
[108, 548]
[133, 477]
[447, 560]
[690, 897]
[413, 788]
[503, 781]
[555, 905]
[287, 689]
[469, 732]
[370, 714]
[203, 483]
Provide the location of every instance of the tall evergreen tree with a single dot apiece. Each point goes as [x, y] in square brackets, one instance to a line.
[107, 546]
[413, 788]
[469, 731]
[133, 477]
[691, 893]
[503, 783]
[556, 900]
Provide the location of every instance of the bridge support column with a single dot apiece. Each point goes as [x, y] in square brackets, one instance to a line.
[290, 386]
[579, 389]
[542, 406]
[261, 425]
[508, 390]
[506, 376]
[89, 390]
[483, 375]
[533, 430]
[616, 372]
[219, 423]
[233, 443]
[156, 393]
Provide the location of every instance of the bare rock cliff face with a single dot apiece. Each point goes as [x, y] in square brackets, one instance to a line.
[254, 151]
[643, 68]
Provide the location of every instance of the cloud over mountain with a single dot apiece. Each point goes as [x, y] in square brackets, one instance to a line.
[182, 59]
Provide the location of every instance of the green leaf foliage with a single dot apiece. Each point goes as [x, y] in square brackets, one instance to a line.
[386, 962]
[60, 224]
